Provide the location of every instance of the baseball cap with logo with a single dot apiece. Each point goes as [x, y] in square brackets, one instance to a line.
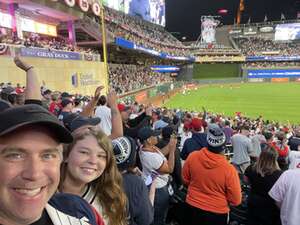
[216, 138]
[125, 152]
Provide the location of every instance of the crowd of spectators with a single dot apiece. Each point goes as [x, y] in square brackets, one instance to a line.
[271, 64]
[143, 33]
[125, 78]
[256, 46]
[221, 155]
[41, 41]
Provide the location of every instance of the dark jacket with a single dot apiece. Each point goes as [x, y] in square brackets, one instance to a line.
[140, 208]
[132, 127]
[196, 142]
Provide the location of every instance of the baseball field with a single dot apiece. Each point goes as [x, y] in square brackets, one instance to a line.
[274, 101]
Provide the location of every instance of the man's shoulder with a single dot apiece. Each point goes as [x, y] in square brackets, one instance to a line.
[72, 206]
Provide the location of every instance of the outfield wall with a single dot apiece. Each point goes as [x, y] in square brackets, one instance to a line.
[74, 76]
[216, 70]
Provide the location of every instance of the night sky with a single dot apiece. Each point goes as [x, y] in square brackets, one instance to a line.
[184, 16]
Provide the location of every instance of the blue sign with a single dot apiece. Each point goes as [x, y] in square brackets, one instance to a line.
[124, 43]
[273, 73]
[146, 50]
[51, 54]
[130, 45]
[165, 69]
[272, 58]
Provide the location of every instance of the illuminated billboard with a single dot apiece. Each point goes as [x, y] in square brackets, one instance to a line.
[5, 20]
[115, 4]
[150, 10]
[286, 32]
[36, 27]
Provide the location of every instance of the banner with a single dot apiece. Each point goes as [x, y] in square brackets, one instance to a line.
[208, 29]
[44, 53]
[130, 45]
[165, 69]
[273, 73]
[256, 80]
[272, 58]
[279, 80]
[141, 96]
[221, 59]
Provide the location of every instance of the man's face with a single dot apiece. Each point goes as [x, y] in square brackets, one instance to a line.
[30, 170]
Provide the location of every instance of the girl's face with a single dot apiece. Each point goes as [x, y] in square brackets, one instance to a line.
[86, 161]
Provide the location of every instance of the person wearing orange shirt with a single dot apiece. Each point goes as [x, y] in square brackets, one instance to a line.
[213, 183]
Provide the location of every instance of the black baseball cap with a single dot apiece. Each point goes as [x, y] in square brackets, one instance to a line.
[146, 132]
[65, 95]
[67, 120]
[32, 114]
[81, 121]
[66, 102]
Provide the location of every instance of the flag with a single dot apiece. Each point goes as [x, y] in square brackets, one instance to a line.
[266, 18]
[239, 12]
[282, 17]
[238, 17]
[242, 5]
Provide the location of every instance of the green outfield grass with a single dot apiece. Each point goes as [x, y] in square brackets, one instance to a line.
[274, 101]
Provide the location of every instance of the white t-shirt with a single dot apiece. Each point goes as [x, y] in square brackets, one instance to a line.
[184, 137]
[286, 191]
[294, 160]
[104, 113]
[152, 161]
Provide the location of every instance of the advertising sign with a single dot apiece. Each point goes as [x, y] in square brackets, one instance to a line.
[44, 53]
[267, 73]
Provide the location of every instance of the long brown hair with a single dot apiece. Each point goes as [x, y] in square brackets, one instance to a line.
[109, 186]
[267, 162]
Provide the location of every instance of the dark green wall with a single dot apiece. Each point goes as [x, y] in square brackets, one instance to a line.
[217, 70]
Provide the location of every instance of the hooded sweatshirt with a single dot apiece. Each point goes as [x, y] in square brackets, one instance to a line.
[213, 183]
[196, 142]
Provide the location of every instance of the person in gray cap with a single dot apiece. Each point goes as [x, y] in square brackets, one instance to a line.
[30, 156]
[213, 183]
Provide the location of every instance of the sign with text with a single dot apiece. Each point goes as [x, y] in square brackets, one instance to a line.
[267, 73]
[44, 53]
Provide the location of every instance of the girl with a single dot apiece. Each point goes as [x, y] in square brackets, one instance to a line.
[90, 171]
[262, 176]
